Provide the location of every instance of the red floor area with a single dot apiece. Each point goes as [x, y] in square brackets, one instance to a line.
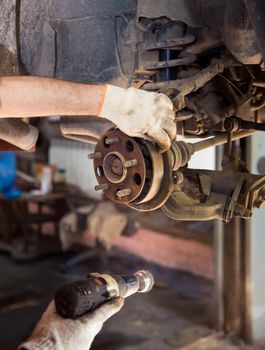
[188, 255]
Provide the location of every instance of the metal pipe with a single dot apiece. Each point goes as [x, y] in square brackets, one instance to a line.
[171, 63]
[219, 140]
[188, 85]
[218, 247]
[183, 151]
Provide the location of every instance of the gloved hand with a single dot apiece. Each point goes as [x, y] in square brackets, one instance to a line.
[56, 333]
[139, 113]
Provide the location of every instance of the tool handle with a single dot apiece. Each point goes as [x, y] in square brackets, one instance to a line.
[75, 299]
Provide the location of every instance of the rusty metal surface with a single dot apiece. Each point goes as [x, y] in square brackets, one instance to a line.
[132, 178]
[163, 194]
[138, 175]
[165, 182]
[67, 41]
[158, 168]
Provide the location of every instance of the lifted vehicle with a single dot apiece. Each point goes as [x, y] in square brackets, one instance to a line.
[207, 56]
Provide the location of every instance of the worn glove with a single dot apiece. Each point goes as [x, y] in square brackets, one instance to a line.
[56, 333]
[139, 113]
[18, 133]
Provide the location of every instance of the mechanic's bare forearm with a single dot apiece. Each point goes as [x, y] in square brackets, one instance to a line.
[37, 96]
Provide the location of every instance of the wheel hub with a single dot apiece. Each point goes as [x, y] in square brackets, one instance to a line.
[131, 171]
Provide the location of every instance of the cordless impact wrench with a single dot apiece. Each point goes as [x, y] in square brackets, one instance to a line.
[75, 299]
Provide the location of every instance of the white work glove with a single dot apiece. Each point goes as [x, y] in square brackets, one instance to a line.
[56, 333]
[139, 113]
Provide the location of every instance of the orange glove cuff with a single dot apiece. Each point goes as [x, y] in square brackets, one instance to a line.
[103, 99]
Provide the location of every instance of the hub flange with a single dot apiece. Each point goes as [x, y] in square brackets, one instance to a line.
[121, 166]
[132, 171]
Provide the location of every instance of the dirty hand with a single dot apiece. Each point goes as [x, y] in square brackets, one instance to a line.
[139, 113]
[56, 333]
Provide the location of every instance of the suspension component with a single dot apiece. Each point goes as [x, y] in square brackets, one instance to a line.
[169, 40]
[134, 172]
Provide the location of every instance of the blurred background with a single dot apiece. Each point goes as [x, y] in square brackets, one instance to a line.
[55, 228]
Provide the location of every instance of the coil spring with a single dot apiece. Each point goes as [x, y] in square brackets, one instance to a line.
[172, 56]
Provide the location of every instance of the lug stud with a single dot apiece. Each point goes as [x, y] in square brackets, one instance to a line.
[130, 163]
[124, 193]
[101, 187]
[96, 155]
[111, 140]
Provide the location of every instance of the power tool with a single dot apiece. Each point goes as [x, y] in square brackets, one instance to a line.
[77, 298]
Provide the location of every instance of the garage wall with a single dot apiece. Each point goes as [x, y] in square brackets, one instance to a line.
[72, 156]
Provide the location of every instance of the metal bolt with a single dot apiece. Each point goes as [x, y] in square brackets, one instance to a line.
[96, 155]
[111, 141]
[130, 163]
[178, 177]
[124, 193]
[101, 187]
[242, 212]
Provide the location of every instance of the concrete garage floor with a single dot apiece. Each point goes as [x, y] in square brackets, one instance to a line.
[158, 320]
[175, 315]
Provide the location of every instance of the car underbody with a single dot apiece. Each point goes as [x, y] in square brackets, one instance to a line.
[207, 56]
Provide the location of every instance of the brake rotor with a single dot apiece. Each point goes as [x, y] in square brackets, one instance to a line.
[120, 166]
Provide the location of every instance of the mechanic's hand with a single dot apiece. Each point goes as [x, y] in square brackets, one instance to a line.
[56, 333]
[139, 113]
